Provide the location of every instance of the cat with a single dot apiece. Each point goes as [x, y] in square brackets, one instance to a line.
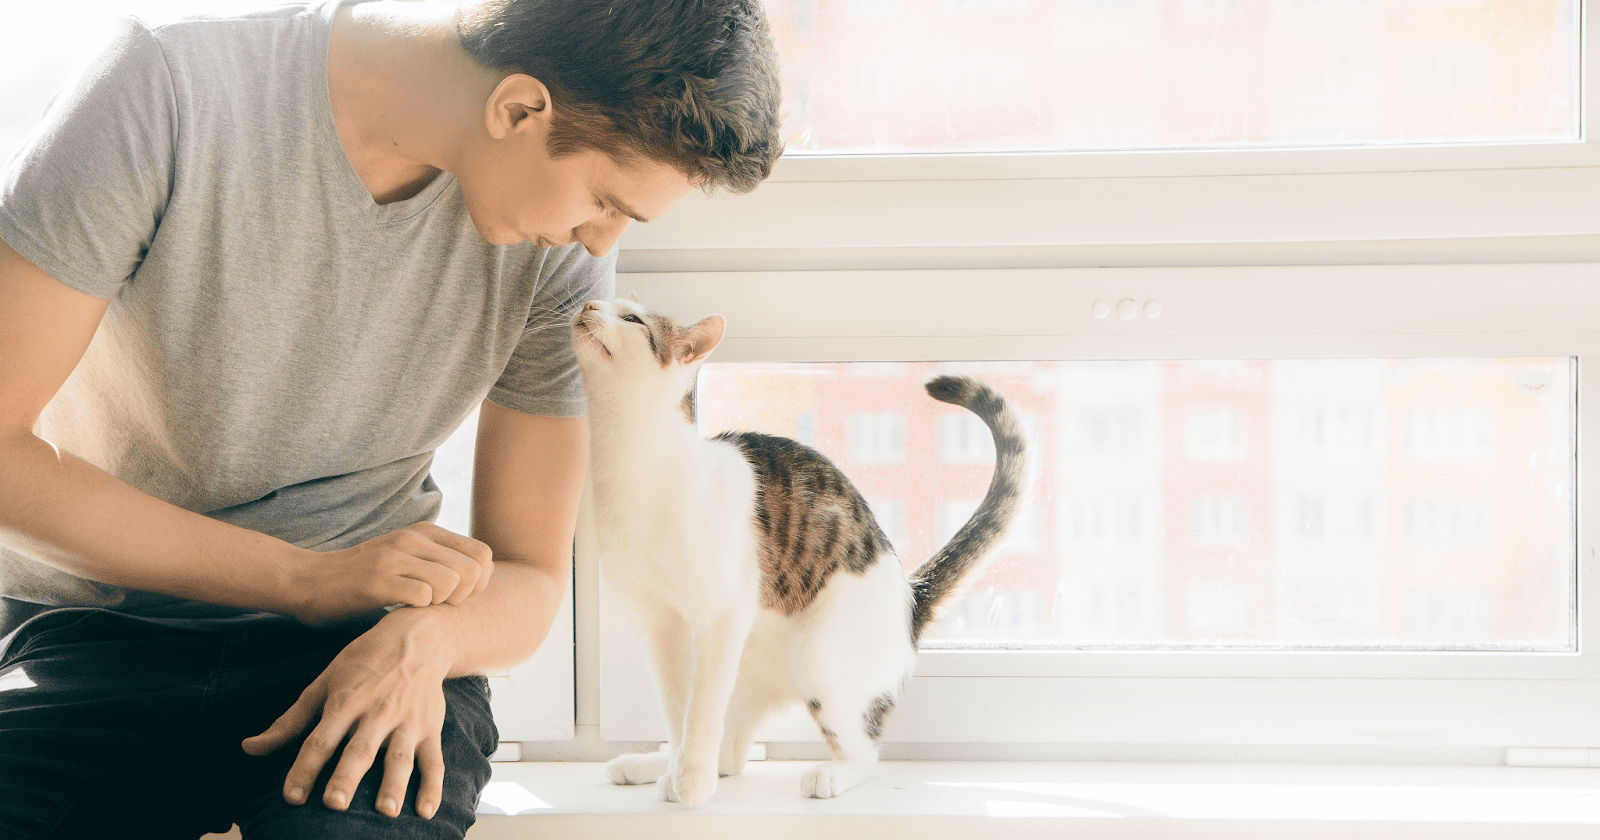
[756, 569]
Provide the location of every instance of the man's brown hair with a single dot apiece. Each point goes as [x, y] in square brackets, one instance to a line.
[689, 83]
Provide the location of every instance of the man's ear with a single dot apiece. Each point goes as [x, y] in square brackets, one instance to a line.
[704, 337]
[519, 103]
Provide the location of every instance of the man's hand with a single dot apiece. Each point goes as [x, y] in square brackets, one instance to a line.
[416, 566]
[383, 692]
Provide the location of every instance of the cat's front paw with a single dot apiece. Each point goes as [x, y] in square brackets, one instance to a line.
[640, 769]
[691, 787]
[825, 781]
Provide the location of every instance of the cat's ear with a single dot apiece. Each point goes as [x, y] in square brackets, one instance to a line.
[702, 338]
[633, 296]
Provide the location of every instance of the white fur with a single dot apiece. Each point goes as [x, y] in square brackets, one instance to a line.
[677, 539]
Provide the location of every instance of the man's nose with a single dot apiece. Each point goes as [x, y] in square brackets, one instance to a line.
[599, 237]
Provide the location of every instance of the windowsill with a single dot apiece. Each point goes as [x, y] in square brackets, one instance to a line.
[947, 799]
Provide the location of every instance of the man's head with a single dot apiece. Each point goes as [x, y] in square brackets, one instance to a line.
[688, 83]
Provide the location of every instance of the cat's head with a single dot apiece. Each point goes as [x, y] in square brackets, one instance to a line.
[620, 341]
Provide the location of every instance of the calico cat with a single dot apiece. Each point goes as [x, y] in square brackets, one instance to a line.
[755, 567]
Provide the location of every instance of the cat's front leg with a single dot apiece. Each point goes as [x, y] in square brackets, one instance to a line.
[672, 659]
[692, 776]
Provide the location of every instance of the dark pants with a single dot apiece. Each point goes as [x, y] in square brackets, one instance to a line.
[131, 728]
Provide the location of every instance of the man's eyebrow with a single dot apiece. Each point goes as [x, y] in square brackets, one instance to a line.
[611, 200]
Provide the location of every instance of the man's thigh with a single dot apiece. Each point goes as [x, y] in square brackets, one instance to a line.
[96, 714]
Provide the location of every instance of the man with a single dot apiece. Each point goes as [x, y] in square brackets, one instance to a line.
[253, 270]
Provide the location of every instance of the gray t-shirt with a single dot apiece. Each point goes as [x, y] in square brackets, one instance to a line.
[280, 352]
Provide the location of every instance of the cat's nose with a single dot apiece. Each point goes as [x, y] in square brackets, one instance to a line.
[592, 306]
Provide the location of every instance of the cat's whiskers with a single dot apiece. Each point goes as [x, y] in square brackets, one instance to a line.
[588, 331]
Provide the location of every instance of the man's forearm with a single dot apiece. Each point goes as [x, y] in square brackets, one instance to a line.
[65, 512]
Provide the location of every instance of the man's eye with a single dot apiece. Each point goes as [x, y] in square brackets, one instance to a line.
[633, 319]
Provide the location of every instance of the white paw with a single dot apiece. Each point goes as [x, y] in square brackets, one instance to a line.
[824, 781]
[640, 769]
[691, 787]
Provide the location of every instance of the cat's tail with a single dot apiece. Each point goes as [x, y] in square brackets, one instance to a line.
[934, 581]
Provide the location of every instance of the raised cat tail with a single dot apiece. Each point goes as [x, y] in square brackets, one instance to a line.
[936, 579]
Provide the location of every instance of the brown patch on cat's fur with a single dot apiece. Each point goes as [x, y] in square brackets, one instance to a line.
[668, 341]
[810, 520]
[664, 336]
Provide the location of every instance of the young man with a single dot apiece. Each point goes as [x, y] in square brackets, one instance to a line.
[253, 270]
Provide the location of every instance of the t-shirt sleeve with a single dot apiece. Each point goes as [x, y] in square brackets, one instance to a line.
[84, 196]
[542, 377]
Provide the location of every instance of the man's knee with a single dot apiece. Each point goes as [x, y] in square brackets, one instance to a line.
[467, 739]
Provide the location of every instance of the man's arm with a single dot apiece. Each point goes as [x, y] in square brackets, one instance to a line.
[63, 511]
[384, 692]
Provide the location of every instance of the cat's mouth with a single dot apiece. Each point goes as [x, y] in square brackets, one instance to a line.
[590, 332]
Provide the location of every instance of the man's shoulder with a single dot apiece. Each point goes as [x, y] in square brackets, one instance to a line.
[234, 31]
[218, 15]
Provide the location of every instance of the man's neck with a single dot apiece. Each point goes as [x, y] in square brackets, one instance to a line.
[404, 93]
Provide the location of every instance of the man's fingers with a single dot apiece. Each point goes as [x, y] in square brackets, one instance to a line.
[359, 753]
[473, 551]
[453, 575]
[430, 782]
[398, 760]
[315, 751]
[441, 579]
[409, 591]
[476, 549]
[289, 724]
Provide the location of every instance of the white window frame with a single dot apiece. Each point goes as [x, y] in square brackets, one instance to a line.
[1444, 250]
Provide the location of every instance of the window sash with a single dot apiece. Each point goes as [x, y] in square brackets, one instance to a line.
[1444, 250]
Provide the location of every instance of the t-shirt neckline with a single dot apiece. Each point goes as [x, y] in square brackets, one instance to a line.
[351, 188]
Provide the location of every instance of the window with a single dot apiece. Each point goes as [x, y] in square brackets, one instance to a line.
[1276, 264]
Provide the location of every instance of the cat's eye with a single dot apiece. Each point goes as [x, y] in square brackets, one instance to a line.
[633, 319]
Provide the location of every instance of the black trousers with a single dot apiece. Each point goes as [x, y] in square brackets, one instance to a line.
[118, 726]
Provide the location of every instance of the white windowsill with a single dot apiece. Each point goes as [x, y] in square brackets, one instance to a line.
[932, 800]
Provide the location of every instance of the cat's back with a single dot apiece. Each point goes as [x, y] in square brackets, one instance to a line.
[811, 521]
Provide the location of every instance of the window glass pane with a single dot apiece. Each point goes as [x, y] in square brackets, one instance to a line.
[865, 76]
[1333, 503]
